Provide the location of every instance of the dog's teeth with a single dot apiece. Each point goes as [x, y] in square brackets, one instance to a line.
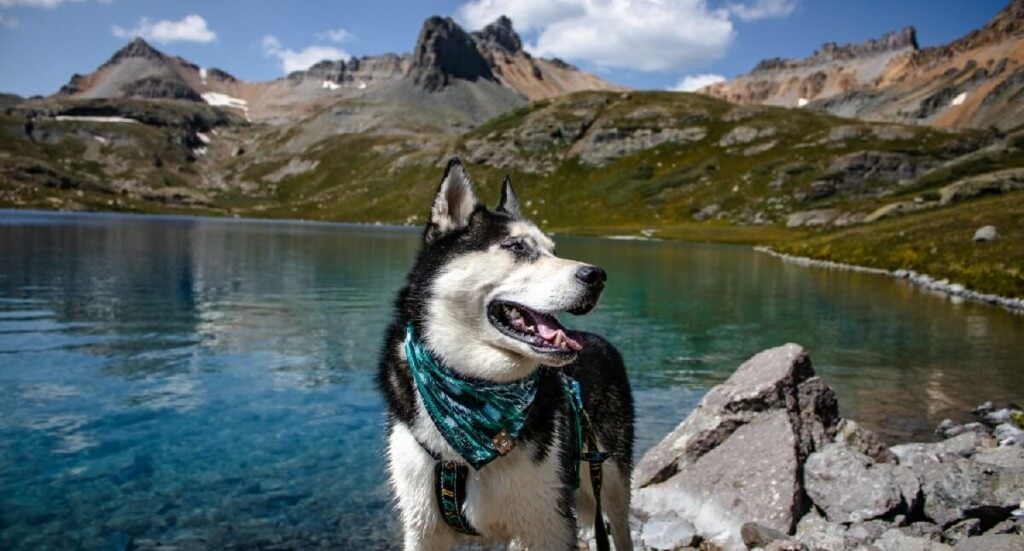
[560, 341]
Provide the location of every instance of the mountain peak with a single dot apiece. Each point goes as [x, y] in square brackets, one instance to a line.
[445, 52]
[500, 34]
[137, 48]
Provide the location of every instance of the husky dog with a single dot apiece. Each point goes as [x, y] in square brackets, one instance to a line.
[481, 299]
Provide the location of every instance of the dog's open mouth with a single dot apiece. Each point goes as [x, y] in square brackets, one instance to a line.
[541, 331]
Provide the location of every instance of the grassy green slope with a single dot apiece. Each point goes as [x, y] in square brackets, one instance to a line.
[390, 178]
[936, 242]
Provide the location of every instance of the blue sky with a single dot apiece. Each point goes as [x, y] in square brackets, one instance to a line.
[638, 43]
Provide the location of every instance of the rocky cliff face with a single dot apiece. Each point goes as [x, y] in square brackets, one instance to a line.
[976, 81]
[898, 41]
[444, 52]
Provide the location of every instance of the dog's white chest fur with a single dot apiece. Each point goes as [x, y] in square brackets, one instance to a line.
[509, 497]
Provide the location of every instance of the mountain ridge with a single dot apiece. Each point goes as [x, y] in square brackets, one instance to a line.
[444, 53]
[975, 81]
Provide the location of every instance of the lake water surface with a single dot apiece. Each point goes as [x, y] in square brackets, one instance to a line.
[212, 381]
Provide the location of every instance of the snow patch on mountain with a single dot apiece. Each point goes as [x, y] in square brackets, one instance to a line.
[217, 99]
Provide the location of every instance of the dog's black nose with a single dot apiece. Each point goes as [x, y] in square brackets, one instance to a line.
[591, 275]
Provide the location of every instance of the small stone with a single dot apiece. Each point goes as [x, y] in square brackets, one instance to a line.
[756, 535]
[1008, 434]
[863, 533]
[1011, 457]
[944, 426]
[818, 533]
[992, 542]
[983, 408]
[897, 540]
[962, 530]
[923, 529]
[707, 212]
[786, 545]
[997, 417]
[986, 233]
[864, 441]
[975, 427]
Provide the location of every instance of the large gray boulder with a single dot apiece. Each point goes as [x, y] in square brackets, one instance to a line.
[953, 491]
[737, 458]
[849, 486]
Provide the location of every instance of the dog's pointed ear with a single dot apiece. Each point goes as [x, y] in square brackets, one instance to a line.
[454, 203]
[509, 202]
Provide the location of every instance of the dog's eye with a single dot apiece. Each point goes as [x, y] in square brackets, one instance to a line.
[515, 246]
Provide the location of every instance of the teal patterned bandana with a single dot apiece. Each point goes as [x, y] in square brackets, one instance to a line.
[479, 419]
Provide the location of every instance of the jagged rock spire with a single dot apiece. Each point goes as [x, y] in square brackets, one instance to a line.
[500, 34]
[445, 52]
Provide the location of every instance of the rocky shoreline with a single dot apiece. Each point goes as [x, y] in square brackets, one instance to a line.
[925, 281]
[766, 462]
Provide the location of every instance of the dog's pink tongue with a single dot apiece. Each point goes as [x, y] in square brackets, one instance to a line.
[550, 333]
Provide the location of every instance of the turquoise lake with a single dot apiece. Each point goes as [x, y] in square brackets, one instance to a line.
[211, 381]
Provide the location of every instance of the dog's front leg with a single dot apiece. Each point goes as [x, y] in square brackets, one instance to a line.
[437, 541]
[411, 471]
[549, 529]
[562, 537]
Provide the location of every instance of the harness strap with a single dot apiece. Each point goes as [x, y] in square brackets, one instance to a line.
[451, 494]
[592, 454]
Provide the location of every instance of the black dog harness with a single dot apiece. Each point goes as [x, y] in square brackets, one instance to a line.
[450, 476]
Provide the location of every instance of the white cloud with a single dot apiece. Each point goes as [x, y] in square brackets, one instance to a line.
[191, 28]
[336, 35]
[292, 60]
[646, 35]
[762, 9]
[526, 15]
[692, 83]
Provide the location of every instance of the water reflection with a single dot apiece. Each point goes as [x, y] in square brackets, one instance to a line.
[213, 381]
